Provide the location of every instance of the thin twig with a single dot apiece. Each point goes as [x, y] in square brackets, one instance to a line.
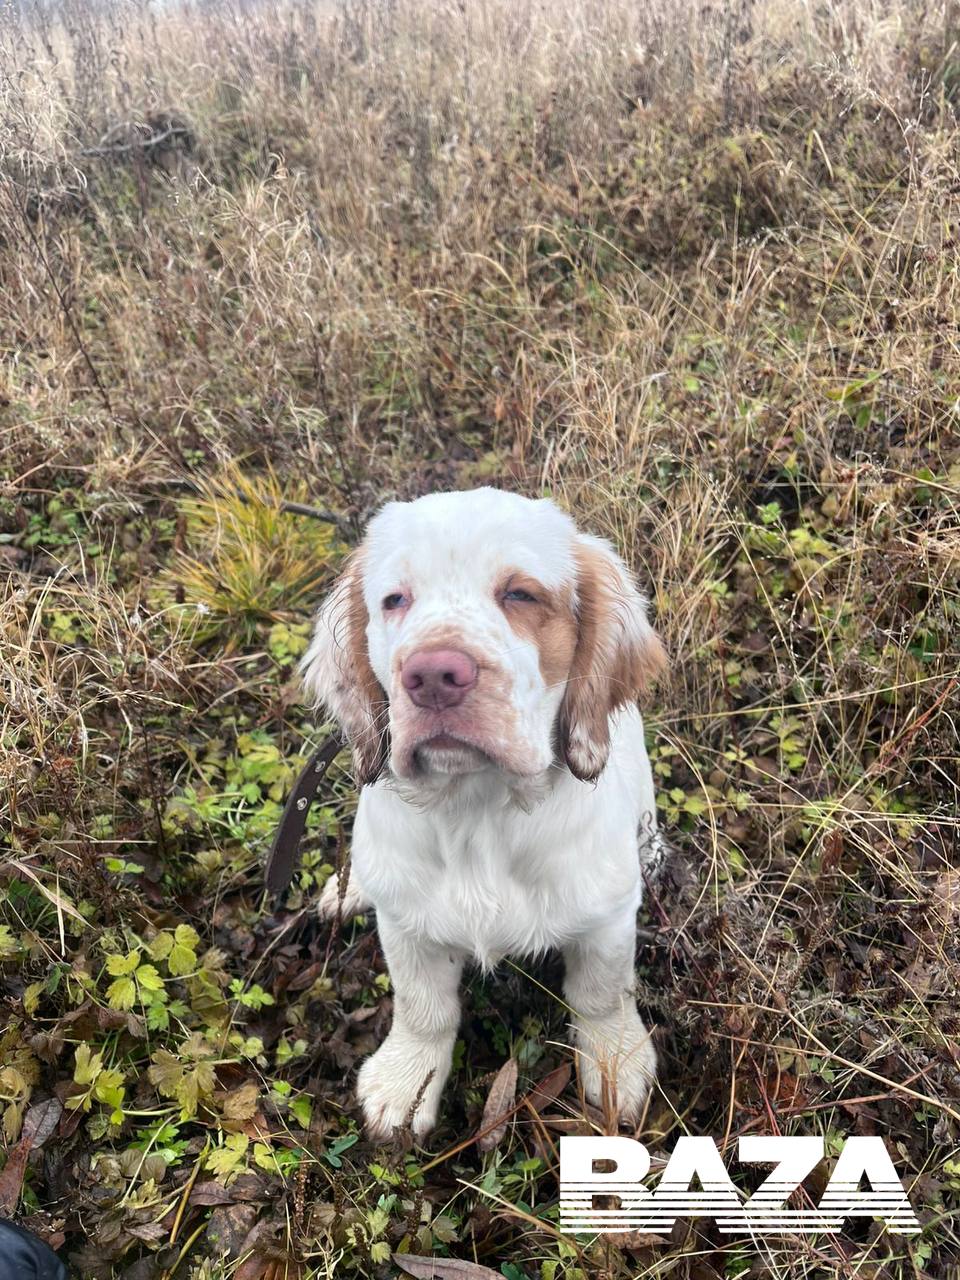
[142, 144]
[315, 513]
[291, 508]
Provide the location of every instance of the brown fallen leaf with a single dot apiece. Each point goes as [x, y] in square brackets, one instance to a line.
[299, 979]
[11, 1179]
[946, 893]
[250, 1187]
[209, 1194]
[38, 1124]
[500, 1102]
[241, 1104]
[255, 1266]
[258, 1266]
[633, 1239]
[41, 1120]
[148, 1232]
[784, 1089]
[443, 1268]
[550, 1087]
[263, 1257]
[49, 1230]
[281, 1269]
[230, 1226]
[556, 1123]
[256, 1128]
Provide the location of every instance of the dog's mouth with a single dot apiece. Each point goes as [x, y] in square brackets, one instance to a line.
[446, 753]
[446, 742]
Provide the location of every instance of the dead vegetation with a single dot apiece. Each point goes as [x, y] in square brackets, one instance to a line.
[690, 267]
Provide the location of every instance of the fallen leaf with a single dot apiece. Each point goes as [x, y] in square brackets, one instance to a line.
[299, 980]
[263, 1259]
[38, 1124]
[11, 1179]
[41, 1120]
[258, 1266]
[550, 1087]
[786, 1090]
[633, 1239]
[229, 1227]
[148, 1268]
[241, 1104]
[255, 1266]
[49, 1230]
[358, 1016]
[249, 1186]
[500, 1101]
[575, 1125]
[256, 1127]
[946, 892]
[148, 1232]
[210, 1194]
[443, 1268]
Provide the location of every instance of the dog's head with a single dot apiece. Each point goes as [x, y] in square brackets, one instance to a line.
[480, 630]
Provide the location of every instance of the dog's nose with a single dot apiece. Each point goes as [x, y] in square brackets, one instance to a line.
[438, 678]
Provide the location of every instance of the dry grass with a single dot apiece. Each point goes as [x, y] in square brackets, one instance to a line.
[691, 268]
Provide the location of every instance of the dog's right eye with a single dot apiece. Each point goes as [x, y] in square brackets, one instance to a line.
[395, 601]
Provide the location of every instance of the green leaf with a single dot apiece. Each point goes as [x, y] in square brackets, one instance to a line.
[223, 1161]
[851, 389]
[117, 965]
[158, 1017]
[188, 1083]
[149, 978]
[122, 993]
[109, 1087]
[121, 867]
[87, 1065]
[302, 1111]
[9, 946]
[161, 946]
[182, 959]
[335, 1150]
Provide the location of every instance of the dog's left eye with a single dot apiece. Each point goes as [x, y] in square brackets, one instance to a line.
[520, 596]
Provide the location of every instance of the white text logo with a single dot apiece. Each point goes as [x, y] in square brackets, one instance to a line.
[695, 1183]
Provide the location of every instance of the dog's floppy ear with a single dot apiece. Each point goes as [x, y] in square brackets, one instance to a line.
[618, 655]
[336, 672]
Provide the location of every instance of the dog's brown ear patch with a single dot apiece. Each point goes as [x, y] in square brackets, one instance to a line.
[336, 671]
[618, 656]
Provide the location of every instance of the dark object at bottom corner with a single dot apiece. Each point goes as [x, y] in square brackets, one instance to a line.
[24, 1257]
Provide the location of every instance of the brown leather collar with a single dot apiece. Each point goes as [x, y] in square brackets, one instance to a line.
[282, 861]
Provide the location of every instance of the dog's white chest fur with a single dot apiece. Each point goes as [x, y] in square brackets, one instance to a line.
[476, 871]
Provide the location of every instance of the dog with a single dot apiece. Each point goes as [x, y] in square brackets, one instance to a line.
[484, 659]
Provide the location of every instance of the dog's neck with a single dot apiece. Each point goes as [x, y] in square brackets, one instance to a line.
[486, 789]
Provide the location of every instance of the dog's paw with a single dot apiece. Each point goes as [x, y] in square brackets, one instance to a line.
[399, 1086]
[353, 903]
[617, 1063]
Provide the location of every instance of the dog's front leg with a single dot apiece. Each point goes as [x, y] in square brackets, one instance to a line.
[342, 900]
[402, 1082]
[616, 1058]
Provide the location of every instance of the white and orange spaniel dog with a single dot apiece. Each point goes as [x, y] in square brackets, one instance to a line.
[483, 658]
